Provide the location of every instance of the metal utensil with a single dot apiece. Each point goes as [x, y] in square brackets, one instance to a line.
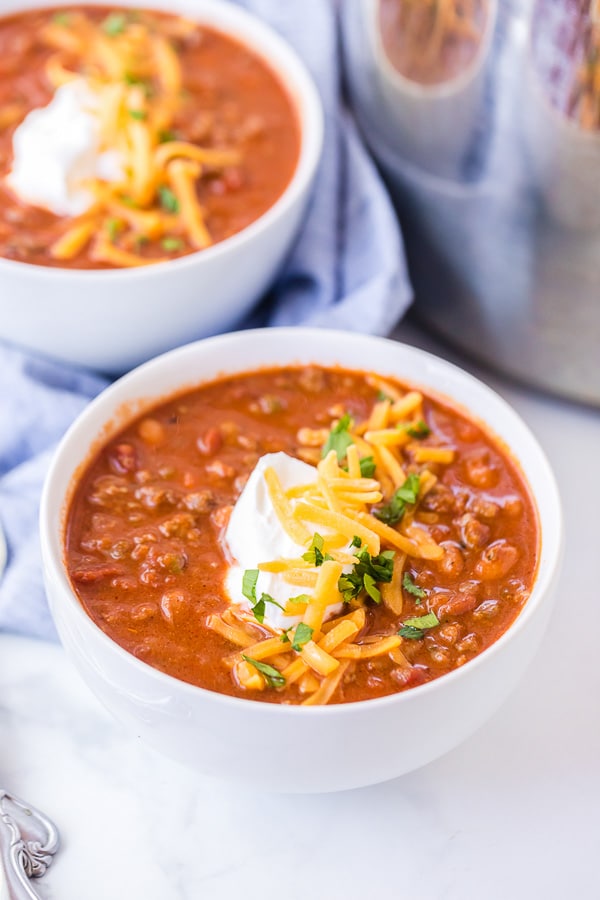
[28, 842]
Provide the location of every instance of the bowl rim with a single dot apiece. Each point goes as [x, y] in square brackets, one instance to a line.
[551, 529]
[283, 61]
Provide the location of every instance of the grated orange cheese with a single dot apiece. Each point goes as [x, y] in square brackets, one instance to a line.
[339, 504]
[433, 454]
[135, 76]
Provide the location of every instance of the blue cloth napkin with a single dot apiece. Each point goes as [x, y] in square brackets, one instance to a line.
[347, 270]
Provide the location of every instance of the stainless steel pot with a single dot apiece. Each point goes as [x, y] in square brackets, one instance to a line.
[497, 189]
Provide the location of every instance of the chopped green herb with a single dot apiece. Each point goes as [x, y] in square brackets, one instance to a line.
[114, 24]
[381, 396]
[285, 636]
[419, 430]
[141, 240]
[137, 81]
[339, 438]
[138, 114]
[272, 676]
[249, 579]
[365, 573]
[356, 541]
[409, 491]
[302, 636]
[406, 494]
[259, 607]
[171, 244]
[414, 628]
[168, 200]
[314, 555]
[371, 588]
[126, 200]
[367, 467]
[411, 588]
[166, 135]
[300, 598]
[259, 610]
[62, 18]
[350, 586]
[113, 226]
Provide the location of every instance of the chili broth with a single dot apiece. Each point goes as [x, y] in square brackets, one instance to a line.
[229, 105]
[144, 540]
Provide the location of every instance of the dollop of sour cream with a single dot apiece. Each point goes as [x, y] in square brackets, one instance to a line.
[57, 148]
[255, 534]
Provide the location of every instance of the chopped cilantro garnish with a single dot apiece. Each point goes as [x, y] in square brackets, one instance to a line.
[411, 588]
[382, 566]
[371, 588]
[350, 586]
[272, 676]
[314, 555]
[249, 579]
[356, 541]
[168, 200]
[302, 635]
[113, 226]
[419, 430]
[367, 467]
[407, 493]
[171, 244]
[114, 24]
[300, 598]
[364, 575]
[259, 607]
[339, 438]
[166, 135]
[415, 627]
[138, 114]
[137, 81]
[381, 396]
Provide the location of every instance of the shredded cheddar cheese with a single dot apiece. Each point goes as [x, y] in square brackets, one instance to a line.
[433, 454]
[358, 514]
[133, 72]
[325, 590]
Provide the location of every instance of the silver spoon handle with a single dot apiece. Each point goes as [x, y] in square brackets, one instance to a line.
[28, 842]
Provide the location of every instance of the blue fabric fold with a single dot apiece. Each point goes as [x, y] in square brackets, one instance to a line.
[347, 270]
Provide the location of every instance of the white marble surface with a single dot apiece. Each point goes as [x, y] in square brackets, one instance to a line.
[512, 813]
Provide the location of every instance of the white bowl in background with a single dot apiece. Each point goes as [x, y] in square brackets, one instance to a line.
[112, 320]
[304, 749]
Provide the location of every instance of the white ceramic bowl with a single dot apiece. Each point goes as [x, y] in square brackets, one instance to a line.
[112, 320]
[301, 748]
